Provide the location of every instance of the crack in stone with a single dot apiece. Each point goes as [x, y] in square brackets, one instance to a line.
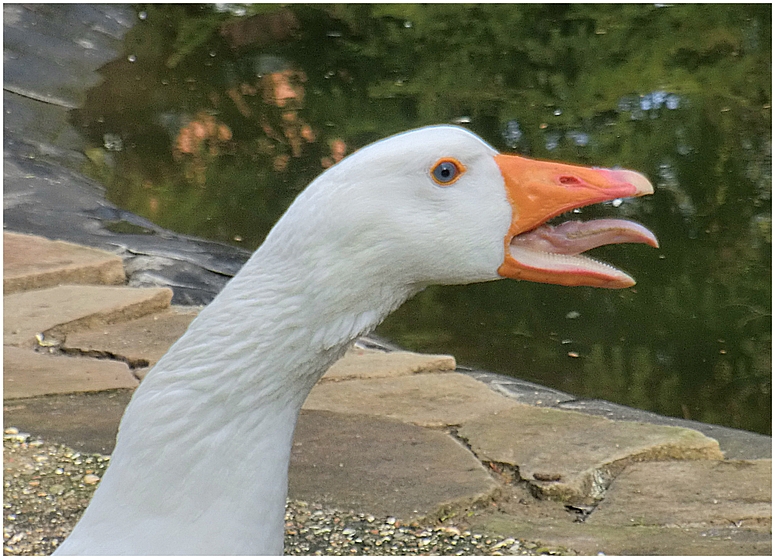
[509, 474]
[133, 364]
[42, 98]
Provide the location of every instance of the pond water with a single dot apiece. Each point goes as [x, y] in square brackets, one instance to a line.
[217, 116]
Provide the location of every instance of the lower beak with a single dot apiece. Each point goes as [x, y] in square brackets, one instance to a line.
[541, 190]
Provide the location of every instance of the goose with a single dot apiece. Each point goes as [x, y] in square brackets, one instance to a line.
[200, 464]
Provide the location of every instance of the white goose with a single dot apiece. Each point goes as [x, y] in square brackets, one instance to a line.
[201, 459]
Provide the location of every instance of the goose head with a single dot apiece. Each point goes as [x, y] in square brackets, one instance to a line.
[438, 205]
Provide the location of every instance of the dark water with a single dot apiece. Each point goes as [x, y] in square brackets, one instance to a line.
[213, 121]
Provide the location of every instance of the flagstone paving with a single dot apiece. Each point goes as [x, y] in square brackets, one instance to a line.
[32, 262]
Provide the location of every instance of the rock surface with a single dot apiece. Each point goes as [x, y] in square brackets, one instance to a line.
[694, 492]
[140, 342]
[368, 363]
[436, 400]
[31, 262]
[381, 466]
[57, 311]
[27, 374]
[572, 456]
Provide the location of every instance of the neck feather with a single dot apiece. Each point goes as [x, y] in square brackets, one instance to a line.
[201, 459]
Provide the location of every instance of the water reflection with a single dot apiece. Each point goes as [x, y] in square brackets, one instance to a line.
[216, 118]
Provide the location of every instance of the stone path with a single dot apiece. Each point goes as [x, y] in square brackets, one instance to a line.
[388, 432]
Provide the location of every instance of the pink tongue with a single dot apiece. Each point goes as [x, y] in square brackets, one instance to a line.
[575, 237]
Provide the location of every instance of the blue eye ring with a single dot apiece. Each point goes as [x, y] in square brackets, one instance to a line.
[446, 171]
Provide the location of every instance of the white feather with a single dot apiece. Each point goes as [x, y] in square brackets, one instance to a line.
[201, 459]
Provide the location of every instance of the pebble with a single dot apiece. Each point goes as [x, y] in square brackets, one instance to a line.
[47, 487]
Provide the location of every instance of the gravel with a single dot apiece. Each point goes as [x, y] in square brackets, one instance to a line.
[314, 530]
[47, 487]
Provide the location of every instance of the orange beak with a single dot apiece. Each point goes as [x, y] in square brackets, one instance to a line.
[541, 190]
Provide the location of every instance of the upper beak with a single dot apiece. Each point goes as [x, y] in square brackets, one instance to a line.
[541, 190]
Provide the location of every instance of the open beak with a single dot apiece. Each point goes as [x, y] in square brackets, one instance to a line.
[541, 190]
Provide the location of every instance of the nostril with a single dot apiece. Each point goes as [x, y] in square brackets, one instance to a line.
[569, 180]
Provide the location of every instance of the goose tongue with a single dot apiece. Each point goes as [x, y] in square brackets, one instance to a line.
[575, 237]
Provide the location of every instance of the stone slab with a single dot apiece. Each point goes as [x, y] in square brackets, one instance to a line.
[47, 126]
[522, 391]
[736, 444]
[430, 400]
[704, 492]
[32, 262]
[86, 421]
[572, 456]
[27, 373]
[362, 363]
[57, 311]
[52, 55]
[585, 539]
[383, 467]
[140, 342]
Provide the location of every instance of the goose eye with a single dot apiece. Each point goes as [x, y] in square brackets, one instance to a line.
[447, 171]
